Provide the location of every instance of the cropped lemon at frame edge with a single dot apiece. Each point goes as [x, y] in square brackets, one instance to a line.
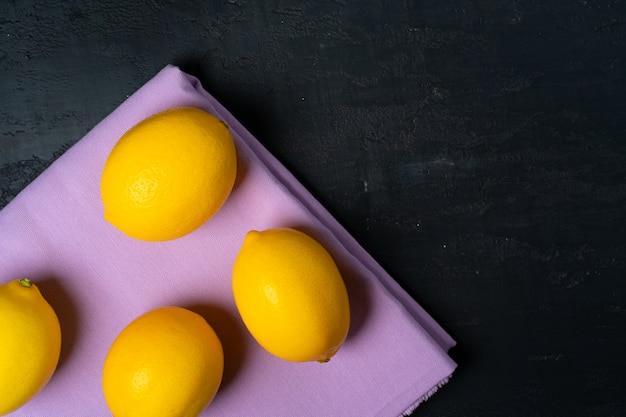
[168, 361]
[169, 174]
[30, 335]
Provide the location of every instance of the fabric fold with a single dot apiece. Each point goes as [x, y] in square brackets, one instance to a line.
[98, 280]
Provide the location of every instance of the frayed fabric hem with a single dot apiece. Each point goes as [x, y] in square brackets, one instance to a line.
[426, 396]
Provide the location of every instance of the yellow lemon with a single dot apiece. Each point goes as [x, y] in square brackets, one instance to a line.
[167, 362]
[168, 174]
[290, 295]
[30, 343]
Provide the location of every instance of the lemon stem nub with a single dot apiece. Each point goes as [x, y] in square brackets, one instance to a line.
[25, 282]
[323, 360]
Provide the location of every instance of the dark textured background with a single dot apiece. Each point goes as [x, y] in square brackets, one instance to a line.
[475, 148]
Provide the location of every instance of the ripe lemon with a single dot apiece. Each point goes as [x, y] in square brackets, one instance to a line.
[30, 343]
[290, 295]
[167, 362]
[168, 174]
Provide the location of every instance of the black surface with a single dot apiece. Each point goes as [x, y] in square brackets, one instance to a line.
[476, 148]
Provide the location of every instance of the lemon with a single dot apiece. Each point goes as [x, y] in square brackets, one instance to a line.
[167, 362]
[30, 343]
[290, 295]
[168, 174]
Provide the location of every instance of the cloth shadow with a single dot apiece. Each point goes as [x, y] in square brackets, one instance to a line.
[230, 333]
[66, 310]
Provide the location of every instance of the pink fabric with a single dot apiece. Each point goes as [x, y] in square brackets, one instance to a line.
[98, 280]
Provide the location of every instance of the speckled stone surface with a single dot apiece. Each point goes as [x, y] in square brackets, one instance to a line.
[477, 149]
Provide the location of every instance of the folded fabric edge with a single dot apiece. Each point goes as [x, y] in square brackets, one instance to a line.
[426, 396]
[317, 210]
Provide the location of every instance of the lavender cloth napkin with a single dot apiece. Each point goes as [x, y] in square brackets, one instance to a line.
[98, 280]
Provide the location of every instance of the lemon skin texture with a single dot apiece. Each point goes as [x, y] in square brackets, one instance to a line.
[291, 295]
[30, 343]
[168, 174]
[167, 362]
